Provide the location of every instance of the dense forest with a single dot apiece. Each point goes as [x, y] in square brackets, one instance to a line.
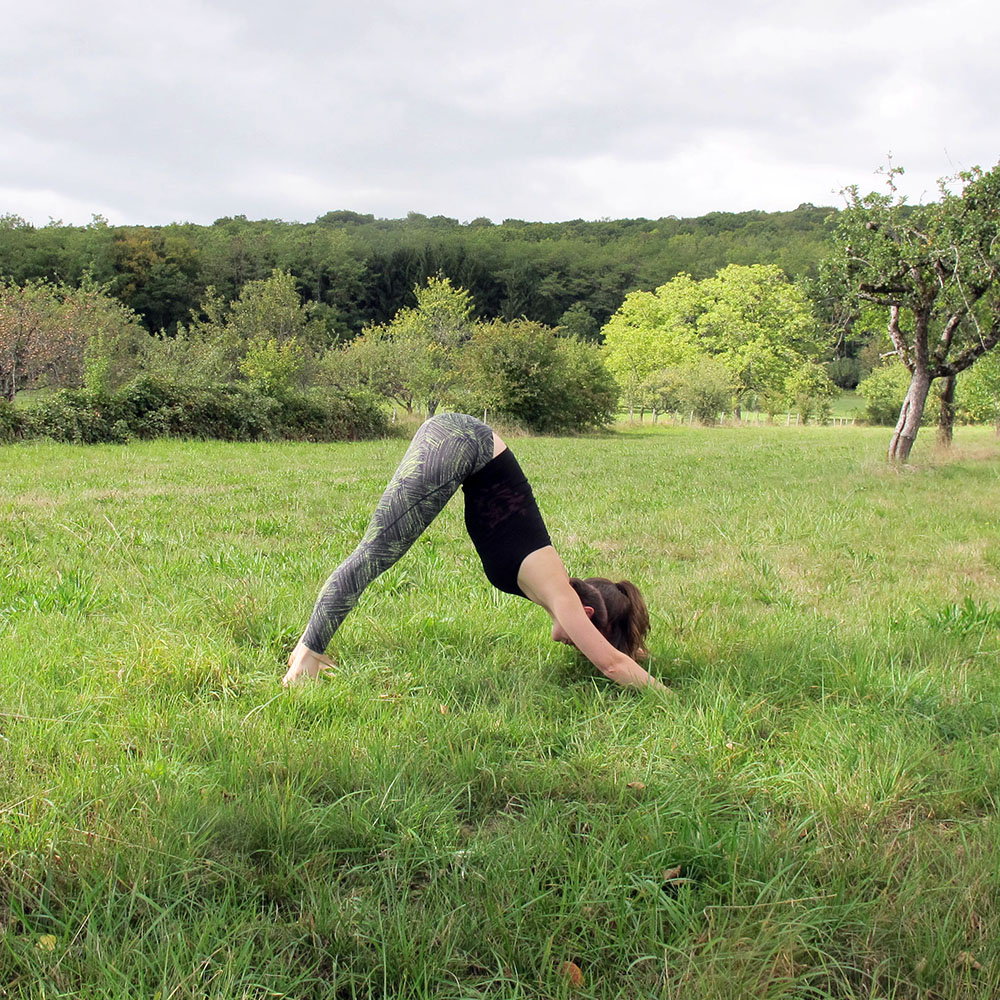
[353, 269]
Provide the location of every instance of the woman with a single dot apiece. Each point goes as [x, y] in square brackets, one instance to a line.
[607, 622]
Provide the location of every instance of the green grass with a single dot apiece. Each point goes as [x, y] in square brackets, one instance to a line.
[465, 806]
[848, 404]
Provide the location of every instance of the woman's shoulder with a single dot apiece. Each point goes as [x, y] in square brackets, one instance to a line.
[543, 577]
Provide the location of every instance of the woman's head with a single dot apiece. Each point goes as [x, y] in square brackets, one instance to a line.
[620, 613]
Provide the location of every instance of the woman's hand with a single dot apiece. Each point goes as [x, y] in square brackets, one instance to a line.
[304, 665]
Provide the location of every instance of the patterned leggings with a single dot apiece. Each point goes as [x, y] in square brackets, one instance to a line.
[445, 451]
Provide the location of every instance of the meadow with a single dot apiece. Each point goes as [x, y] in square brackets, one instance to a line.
[465, 807]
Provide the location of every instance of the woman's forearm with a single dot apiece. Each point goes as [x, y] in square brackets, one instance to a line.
[628, 673]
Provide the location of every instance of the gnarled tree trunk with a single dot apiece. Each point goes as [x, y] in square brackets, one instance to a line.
[909, 417]
[946, 420]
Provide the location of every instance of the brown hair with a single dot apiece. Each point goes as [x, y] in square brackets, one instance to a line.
[620, 613]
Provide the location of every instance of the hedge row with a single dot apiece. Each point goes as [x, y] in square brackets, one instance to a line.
[149, 408]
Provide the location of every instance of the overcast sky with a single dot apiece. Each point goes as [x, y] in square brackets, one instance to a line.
[535, 109]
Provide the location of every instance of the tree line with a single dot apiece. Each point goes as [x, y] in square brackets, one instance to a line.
[352, 270]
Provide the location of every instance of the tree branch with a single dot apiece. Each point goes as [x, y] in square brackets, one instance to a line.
[970, 354]
[944, 344]
[896, 336]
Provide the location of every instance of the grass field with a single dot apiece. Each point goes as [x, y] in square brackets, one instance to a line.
[465, 806]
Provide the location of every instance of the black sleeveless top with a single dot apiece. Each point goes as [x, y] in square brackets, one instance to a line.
[503, 520]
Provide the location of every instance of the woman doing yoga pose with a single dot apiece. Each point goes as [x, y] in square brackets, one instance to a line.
[605, 621]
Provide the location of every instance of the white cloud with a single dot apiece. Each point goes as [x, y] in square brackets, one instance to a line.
[546, 109]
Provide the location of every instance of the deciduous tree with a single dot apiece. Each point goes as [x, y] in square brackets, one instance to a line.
[759, 325]
[750, 319]
[935, 270]
[652, 331]
[31, 337]
[430, 335]
[52, 334]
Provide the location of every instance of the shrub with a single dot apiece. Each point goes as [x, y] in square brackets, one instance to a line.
[705, 388]
[11, 422]
[884, 391]
[223, 412]
[73, 415]
[590, 393]
[149, 407]
[524, 372]
[810, 389]
[317, 416]
[203, 356]
[845, 373]
[979, 390]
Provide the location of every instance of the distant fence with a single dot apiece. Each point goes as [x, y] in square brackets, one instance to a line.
[752, 417]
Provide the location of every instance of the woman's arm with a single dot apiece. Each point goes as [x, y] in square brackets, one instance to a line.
[544, 580]
[573, 619]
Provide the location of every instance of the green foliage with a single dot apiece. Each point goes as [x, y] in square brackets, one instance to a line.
[760, 325]
[372, 362]
[511, 370]
[427, 339]
[749, 318]
[114, 336]
[36, 346]
[883, 392]
[72, 415]
[320, 416]
[11, 422]
[846, 373]
[705, 388]
[65, 335]
[203, 355]
[436, 353]
[524, 372]
[652, 331]
[579, 322]
[590, 393]
[661, 390]
[271, 309]
[149, 408]
[364, 270]
[810, 389]
[273, 368]
[979, 390]
[156, 274]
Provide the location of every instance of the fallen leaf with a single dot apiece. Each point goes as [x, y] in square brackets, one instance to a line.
[965, 959]
[444, 709]
[572, 972]
[671, 873]
[636, 784]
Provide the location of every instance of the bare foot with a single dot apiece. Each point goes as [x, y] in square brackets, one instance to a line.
[304, 665]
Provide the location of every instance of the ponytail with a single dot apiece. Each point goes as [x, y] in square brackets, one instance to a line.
[620, 613]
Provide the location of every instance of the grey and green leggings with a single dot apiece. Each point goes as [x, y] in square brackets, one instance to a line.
[445, 451]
